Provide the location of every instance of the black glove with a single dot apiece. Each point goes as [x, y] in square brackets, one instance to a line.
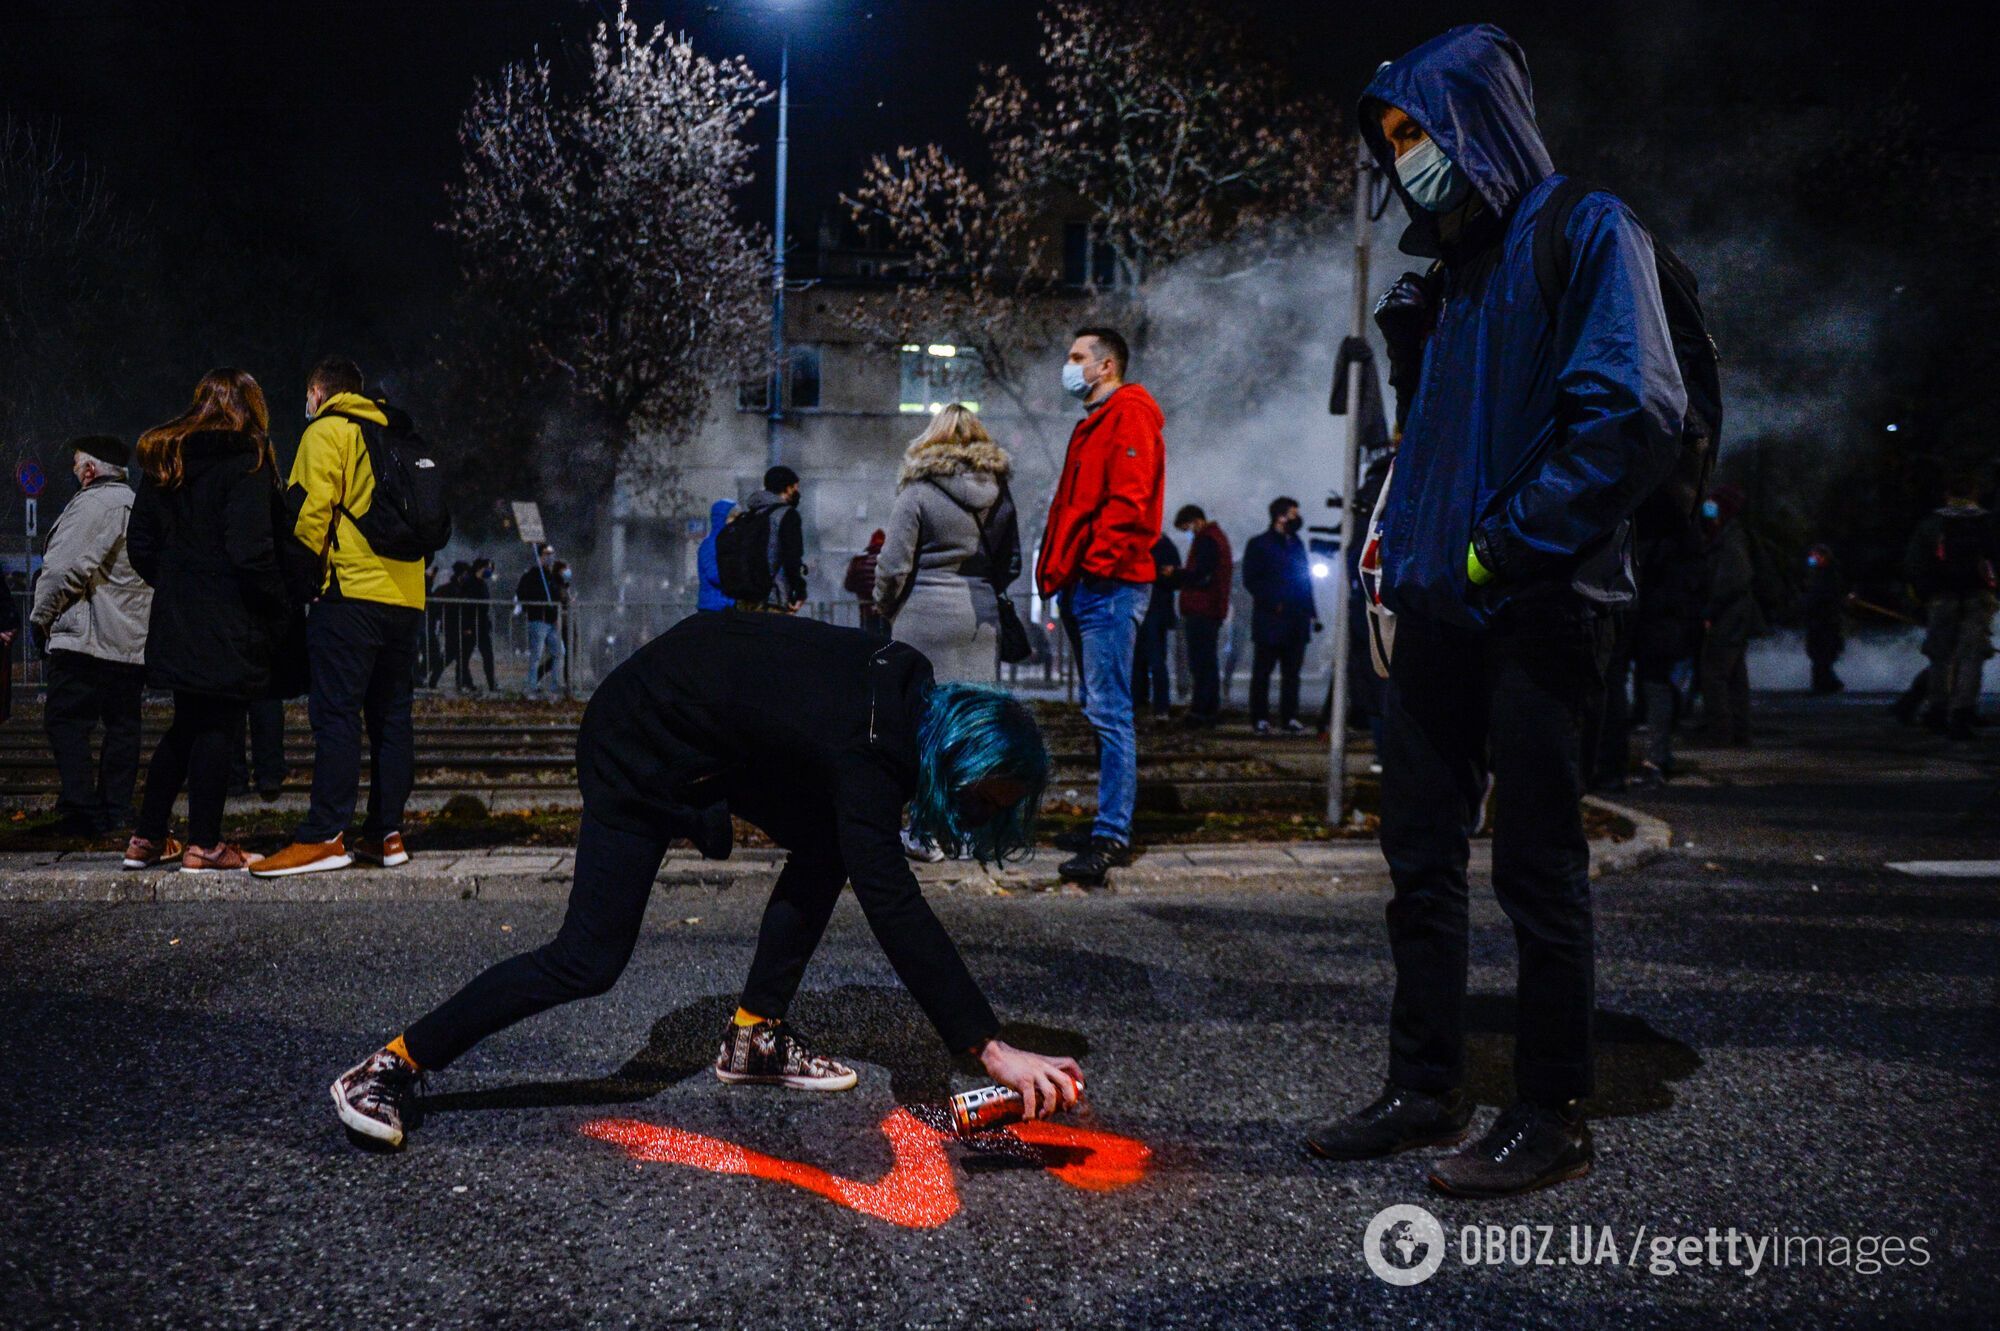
[1406, 314]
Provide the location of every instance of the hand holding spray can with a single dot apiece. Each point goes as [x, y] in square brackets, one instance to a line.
[989, 1107]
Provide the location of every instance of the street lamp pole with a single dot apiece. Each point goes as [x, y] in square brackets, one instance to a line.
[774, 419]
[1350, 458]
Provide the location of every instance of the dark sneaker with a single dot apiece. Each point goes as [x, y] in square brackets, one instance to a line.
[1074, 840]
[1400, 1119]
[388, 853]
[1090, 866]
[1958, 723]
[768, 1054]
[372, 1096]
[1528, 1147]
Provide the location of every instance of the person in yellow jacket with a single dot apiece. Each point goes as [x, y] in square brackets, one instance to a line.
[362, 638]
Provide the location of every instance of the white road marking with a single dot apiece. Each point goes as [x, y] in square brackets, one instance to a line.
[1948, 868]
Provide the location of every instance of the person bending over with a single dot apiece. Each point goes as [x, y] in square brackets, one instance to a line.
[819, 736]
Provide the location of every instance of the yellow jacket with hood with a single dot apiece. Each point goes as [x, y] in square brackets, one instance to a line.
[331, 471]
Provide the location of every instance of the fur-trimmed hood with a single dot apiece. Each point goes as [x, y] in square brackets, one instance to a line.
[936, 461]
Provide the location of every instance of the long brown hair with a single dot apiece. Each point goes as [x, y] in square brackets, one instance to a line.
[225, 399]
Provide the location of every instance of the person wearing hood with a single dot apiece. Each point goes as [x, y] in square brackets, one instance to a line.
[1097, 560]
[705, 723]
[775, 508]
[953, 518]
[711, 596]
[1534, 435]
[1732, 618]
[90, 613]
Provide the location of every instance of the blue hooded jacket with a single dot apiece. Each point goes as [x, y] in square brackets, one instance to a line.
[711, 597]
[1538, 437]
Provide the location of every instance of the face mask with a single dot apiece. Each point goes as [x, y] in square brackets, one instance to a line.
[1073, 381]
[1433, 183]
[1710, 509]
[1293, 523]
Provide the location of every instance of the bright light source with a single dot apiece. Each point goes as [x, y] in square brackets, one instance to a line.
[911, 346]
[944, 349]
[1320, 570]
[911, 408]
[1892, 427]
[936, 407]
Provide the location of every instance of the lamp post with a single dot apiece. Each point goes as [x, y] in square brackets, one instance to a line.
[1350, 457]
[774, 419]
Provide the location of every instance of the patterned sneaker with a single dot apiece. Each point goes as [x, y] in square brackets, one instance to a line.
[225, 858]
[767, 1054]
[370, 1096]
[388, 852]
[143, 854]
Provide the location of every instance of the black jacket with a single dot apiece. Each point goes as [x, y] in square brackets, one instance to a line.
[1278, 576]
[1166, 577]
[810, 733]
[540, 595]
[209, 549]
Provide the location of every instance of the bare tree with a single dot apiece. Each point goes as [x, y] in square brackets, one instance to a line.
[597, 222]
[1156, 128]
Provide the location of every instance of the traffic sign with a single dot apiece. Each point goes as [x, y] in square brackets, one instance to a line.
[28, 475]
[528, 520]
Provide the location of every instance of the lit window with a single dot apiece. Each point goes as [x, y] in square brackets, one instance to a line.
[937, 373]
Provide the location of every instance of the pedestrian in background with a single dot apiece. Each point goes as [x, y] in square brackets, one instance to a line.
[452, 620]
[710, 596]
[1204, 587]
[1733, 618]
[952, 525]
[1951, 564]
[1150, 680]
[1666, 633]
[1283, 617]
[538, 598]
[361, 635]
[479, 616]
[860, 584]
[1097, 556]
[566, 619]
[1824, 600]
[203, 537]
[761, 553]
[89, 616]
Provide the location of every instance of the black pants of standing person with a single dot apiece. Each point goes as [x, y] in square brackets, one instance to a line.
[1204, 636]
[1287, 658]
[1151, 684]
[194, 752]
[1513, 695]
[1607, 736]
[86, 692]
[486, 649]
[265, 767]
[363, 661]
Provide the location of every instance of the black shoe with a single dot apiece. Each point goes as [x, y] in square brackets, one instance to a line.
[270, 794]
[1399, 1120]
[1958, 725]
[1529, 1146]
[1935, 720]
[1090, 867]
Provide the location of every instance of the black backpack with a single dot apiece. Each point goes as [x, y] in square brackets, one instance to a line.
[409, 517]
[743, 556]
[1674, 500]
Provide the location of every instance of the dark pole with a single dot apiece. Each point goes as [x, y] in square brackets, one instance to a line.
[774, 420]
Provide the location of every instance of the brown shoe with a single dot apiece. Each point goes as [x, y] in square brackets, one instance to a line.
[388, 852]
[304, 857]
[143, 854]
[224, 858]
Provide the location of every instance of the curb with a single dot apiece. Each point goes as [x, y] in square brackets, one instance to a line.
[532, 875]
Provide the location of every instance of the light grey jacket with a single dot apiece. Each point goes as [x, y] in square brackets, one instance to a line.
[929, 536]
[88, 598]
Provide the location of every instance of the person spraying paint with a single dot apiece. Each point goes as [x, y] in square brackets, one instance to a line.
[711, 720]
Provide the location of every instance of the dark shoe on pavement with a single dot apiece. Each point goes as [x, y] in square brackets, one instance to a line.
[768, 1054]
[1091, 865]
[1935, 720]
[374, 1095]
[143, 854]
[1398, 1120]
[1262, 727]
[1959, 724]
[1650, 777]
[386, 853]
[1295, 727]
[1529, 1146]
[272, 793]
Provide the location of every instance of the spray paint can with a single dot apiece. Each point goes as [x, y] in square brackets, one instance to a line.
[987, 1107]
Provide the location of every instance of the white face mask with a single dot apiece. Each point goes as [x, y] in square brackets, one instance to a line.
[1073, 381]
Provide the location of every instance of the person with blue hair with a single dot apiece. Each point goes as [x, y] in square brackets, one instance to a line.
[819, 736]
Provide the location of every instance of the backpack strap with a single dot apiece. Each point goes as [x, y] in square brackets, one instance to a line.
[978, 523]
[1552, 256]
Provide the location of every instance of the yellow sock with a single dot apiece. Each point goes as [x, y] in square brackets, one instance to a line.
[745, 1017]
[402, 1051]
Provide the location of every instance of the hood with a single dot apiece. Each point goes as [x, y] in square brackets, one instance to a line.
[1127, 398]
[763, 499]
[718, 513]
[1470, 91]
[942, 458]
[353, 404]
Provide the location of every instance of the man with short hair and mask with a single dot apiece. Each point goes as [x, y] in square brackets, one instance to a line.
[90, 613]
[1505, 536]
[1278, 575]
[1097, 557]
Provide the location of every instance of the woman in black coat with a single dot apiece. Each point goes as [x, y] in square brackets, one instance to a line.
[202, 534]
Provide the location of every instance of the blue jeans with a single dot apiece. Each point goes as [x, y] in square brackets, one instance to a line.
[1108, 625]
[544, 638]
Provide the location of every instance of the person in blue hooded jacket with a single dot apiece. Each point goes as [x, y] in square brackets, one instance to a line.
[711, 596]
[1506, 539]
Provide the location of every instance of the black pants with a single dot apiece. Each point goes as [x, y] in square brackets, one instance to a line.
[363, 663]
[193, 752]
[1287, 657]
[486, 651]
[1150, 679]
[265, 767]
[1204, 663]
[1607, 737]
[84, 693]
[1513, 695]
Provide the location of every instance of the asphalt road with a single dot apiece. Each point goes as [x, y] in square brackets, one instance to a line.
[1791, 1045]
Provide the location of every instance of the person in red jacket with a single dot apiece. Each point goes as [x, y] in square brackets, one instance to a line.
[1204, 606]
[1097, 556]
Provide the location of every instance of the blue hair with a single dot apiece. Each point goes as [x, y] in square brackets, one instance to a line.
[968, 735]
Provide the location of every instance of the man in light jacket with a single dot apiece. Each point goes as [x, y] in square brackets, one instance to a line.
[91, 612]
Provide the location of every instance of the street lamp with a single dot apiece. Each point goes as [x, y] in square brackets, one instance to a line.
[774, 418]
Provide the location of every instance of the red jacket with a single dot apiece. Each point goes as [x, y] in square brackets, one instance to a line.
[1205, 577]
[1107, 507]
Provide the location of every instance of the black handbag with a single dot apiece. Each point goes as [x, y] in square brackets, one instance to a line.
[990, 565]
